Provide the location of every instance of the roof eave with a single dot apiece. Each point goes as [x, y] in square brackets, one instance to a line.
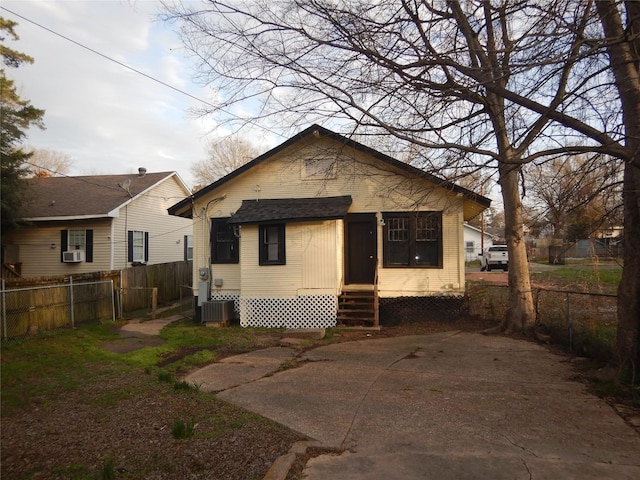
[66, 218]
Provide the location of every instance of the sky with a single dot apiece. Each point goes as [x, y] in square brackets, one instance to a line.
[106, 118]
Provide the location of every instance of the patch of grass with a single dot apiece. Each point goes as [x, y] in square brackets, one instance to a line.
[197, 359]
[113, 398]
[164, 376]
[288, 365]
[181, 429]
[108, 471]
[183, 385]
[71, 472]
[593, 279]
[55, 363]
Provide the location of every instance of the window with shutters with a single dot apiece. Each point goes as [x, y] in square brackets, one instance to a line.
[138, 246]
[77, 239]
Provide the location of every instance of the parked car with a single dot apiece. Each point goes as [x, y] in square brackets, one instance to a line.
[495, 256]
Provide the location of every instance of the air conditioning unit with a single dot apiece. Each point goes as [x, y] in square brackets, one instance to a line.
[220, 311]
[73, 256]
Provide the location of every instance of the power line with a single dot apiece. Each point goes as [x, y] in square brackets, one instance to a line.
[109, 58]
[165, 84]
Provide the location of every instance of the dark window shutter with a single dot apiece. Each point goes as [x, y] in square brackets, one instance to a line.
[146, 246]
[130, 246]
[88, 247]
[185, 249]
[63, 243]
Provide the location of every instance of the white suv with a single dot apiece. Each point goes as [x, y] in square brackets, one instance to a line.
[496, 256]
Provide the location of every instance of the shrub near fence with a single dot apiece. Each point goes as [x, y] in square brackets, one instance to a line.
[585, 323]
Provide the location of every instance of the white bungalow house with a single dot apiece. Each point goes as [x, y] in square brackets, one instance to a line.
[474, 242]
[322, 231]
[98, 222]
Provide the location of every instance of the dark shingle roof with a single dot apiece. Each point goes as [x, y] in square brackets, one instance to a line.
[291, 209]
[93, 196]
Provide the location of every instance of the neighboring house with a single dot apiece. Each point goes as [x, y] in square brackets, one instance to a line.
[99, 222]
[301, 235]
[473, 243]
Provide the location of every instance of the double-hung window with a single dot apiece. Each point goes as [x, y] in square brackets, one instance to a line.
[138, 248]
[188, 247]
[272, 251]
[413, 239]
[224, 242]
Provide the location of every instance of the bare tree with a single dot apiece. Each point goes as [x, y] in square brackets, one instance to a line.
[474, 83]
[623, 46]
[225, 156]
[49, 163]
[575, 196]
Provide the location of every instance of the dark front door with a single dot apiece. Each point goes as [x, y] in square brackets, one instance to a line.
[360, 255]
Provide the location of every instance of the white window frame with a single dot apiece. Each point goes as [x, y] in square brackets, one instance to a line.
[138, 246]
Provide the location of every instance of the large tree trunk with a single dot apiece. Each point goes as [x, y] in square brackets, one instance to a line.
[628, 340]
[520, 311]
[624, 48]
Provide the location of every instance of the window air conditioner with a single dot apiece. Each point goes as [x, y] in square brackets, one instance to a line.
[217, 311]
[73, 256]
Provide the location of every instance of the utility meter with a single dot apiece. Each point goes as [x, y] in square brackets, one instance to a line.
[203, 273]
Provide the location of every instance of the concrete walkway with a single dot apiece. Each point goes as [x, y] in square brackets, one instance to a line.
[443, 406]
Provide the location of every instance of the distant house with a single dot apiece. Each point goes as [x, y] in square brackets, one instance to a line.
[473, 243]
[99, 222]
[323, 230]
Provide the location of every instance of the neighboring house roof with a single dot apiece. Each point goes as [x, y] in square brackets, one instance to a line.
[183, 208]
[291, 209]
[86, 197]
[476, 229]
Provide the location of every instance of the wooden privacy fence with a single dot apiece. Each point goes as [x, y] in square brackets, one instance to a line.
[47, 307]
[138, 283]
[45, 303]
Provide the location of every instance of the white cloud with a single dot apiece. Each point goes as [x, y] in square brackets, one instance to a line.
[107, 118]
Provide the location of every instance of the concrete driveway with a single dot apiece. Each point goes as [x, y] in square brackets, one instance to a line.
[443, 406]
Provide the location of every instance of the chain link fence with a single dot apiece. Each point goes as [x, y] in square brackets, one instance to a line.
[584, 323]
[25, 311]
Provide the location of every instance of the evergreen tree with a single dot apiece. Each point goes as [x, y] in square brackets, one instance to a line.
[17, 115]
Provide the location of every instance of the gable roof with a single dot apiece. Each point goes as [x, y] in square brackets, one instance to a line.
[86, 197]
[183, 208]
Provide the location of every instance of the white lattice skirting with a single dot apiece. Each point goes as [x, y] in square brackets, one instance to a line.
[318, 311]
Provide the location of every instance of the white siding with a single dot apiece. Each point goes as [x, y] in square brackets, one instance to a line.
[319, 251]
[267, 281]
[148, 213]
[39, 249]
[472, 235]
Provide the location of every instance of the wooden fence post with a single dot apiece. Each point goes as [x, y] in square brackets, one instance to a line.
[154, 302]
[71, 300]
[4, 310]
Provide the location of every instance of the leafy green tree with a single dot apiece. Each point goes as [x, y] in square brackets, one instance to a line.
[17, 116]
